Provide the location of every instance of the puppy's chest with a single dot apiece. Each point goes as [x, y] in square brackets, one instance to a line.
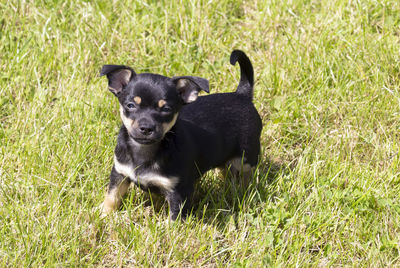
[146, 176]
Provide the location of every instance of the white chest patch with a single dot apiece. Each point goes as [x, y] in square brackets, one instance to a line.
[147, 179]
[154, 179]
[124, 169]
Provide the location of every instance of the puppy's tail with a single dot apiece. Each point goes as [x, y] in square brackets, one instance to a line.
[246, 83]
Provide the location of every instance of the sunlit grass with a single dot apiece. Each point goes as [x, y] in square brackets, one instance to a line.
[327, 87]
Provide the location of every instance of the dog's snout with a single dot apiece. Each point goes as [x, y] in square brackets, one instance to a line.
[146, 129]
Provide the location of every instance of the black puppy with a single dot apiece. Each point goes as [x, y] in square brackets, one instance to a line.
[165, 146]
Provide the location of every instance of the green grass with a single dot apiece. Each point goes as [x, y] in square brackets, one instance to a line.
[327, 87]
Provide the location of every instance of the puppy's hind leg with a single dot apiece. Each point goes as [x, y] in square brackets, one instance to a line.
[245, 165]
[117, 188]
[241, 171]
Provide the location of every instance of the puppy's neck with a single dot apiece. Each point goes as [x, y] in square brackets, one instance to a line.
[143, 152]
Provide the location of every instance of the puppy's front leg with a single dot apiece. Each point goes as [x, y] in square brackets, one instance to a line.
[178, 202]
[117, 188]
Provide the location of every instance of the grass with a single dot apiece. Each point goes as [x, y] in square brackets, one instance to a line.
[327, 87]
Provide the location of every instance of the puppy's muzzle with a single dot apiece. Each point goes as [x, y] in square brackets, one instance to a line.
[146, 132]
[146, 129]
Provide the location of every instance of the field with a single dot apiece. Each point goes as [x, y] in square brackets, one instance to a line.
[326, 192]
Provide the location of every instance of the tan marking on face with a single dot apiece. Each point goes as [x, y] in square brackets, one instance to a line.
[137, 99]
[128, 123]
[167, 126]
[161, 103]
[114, 197]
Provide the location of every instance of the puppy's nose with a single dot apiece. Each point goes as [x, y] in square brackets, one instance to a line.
[146, 130]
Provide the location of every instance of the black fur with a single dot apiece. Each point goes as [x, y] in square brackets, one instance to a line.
[208, 132]
[246, 83]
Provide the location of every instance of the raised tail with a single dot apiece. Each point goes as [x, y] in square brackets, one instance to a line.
[246, 83]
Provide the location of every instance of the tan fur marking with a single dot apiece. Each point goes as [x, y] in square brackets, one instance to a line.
[167, 126]
[113, 198]
[240, 171]
[239, 165]
[128, 123]
[137, 99]
[161, 103]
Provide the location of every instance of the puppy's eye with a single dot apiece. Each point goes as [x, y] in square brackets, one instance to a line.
[131, 106]
[166, 109]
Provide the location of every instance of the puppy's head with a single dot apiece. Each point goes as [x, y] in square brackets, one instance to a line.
[150, 103]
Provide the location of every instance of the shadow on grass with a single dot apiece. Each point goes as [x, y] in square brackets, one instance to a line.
[219, 196]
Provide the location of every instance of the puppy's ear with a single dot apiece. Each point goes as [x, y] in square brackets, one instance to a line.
[118, 76]
[189, 86]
